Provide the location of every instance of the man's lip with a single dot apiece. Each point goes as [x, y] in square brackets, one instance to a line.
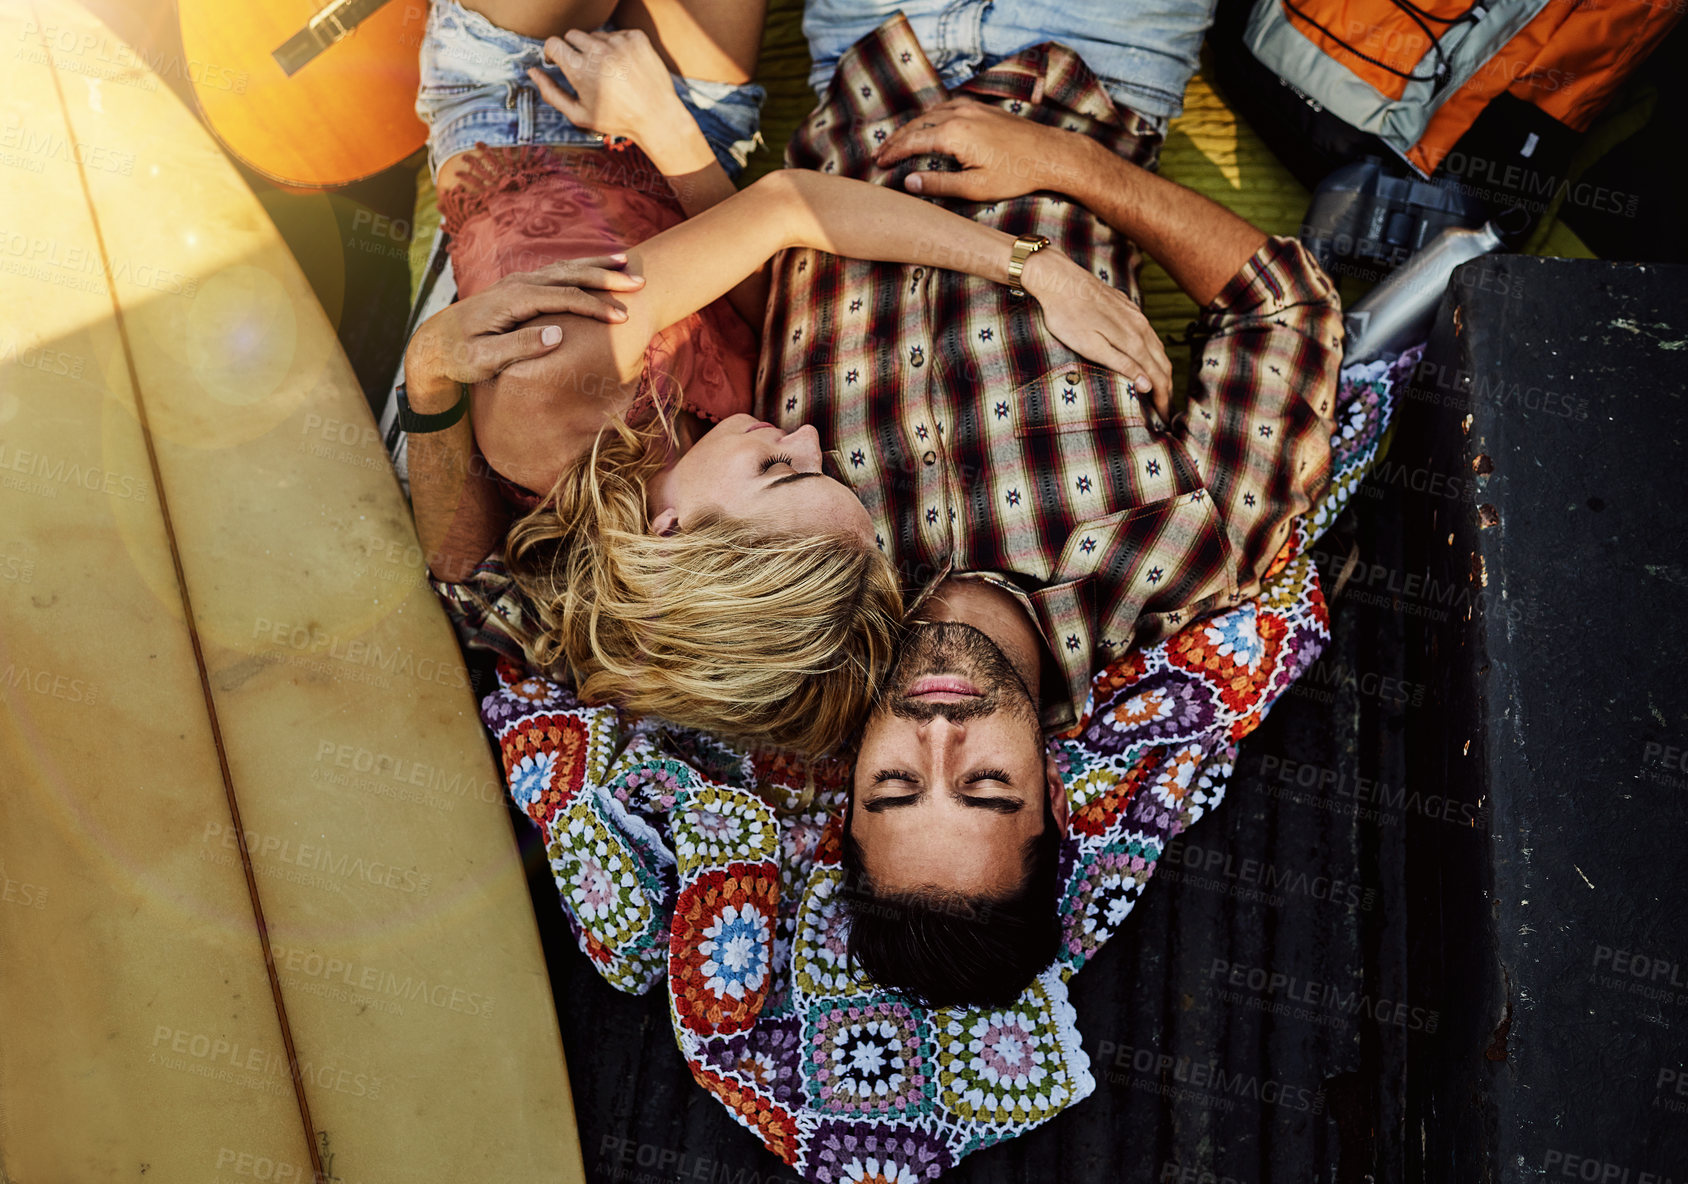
[946, 686]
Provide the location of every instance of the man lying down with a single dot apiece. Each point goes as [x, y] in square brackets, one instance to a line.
[866, 951]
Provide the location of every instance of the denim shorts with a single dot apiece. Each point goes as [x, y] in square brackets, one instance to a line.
[475, 88]
[1143, 51]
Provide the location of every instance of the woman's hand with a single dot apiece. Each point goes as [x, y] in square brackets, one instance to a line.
[477, 336]
[1099, 322]
[1001, 155]
[622, 88]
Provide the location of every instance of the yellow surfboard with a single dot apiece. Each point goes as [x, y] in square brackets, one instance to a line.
[262, 916]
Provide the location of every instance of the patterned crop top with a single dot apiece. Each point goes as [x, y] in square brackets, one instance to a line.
[520, 209]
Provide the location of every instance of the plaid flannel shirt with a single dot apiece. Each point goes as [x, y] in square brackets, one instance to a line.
[980, 444]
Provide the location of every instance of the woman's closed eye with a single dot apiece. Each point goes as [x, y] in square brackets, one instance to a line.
[770, 462]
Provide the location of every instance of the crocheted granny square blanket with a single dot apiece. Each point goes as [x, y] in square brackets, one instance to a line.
[683, 860]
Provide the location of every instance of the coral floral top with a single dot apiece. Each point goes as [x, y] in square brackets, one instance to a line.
[518, 210]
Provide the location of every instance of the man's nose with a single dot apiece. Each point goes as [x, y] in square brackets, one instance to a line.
[942, 738]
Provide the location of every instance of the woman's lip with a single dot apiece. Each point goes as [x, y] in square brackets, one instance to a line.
[760, 424]
[940, 684]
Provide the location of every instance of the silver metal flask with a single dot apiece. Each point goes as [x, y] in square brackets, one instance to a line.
[1397, 313]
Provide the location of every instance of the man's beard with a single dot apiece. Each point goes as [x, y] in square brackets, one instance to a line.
[961, 651]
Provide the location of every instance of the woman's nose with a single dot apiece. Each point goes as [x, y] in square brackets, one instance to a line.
[806, 441]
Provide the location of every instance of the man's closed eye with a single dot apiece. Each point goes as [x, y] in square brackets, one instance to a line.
[997, 805]
[880, 805]
[994, 805]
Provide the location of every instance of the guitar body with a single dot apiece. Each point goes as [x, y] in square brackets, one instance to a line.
[348, 113]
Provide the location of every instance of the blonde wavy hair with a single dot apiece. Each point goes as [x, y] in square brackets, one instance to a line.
[762, 636]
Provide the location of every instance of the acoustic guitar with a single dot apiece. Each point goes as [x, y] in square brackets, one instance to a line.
[308, 94]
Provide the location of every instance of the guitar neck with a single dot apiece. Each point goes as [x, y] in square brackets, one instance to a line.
[334, 23]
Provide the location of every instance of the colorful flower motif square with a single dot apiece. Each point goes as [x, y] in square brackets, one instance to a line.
[869, 1056]
[1004, 1066]
[1122, 672]
[522, 692]
[772, 1123]
[1234, 635]
[714, 824]
[1098, 782]
[1102, 892]
[843, 1153]
[767, 1058]
[1114, 795]
[1169, 704]
[777, 768]
[538, 693]
[820, 962]
[1229, 654]
[530, 777]
[1288, 586]
[1171, 782]
[652, 787]
[600, 877]
[549, 754]
[721, 954]
[497, 707]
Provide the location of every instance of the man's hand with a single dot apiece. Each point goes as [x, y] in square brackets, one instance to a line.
[623, 89]
[1004, 156]
[477, 337]
[1099, 322]
[1001, 155]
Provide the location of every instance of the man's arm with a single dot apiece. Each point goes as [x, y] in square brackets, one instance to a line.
[460, 516]
[626, 938]
[1200, 243]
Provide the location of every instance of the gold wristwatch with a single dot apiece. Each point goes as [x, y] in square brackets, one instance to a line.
[1025, 247]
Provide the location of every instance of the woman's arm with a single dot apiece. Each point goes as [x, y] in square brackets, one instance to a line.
[623, 89]
[687, 266]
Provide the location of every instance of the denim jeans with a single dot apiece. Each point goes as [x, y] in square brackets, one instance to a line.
[1144, 51]
[475, 88]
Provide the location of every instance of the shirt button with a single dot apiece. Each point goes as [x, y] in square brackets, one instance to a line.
[929, 457]
[919, 272]
[1072, 378]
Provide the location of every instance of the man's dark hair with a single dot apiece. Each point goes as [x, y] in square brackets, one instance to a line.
[948, 949]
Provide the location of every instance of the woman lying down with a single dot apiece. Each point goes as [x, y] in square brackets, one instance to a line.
[584, 406]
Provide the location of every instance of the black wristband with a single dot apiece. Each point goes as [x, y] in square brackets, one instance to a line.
[417, 424]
